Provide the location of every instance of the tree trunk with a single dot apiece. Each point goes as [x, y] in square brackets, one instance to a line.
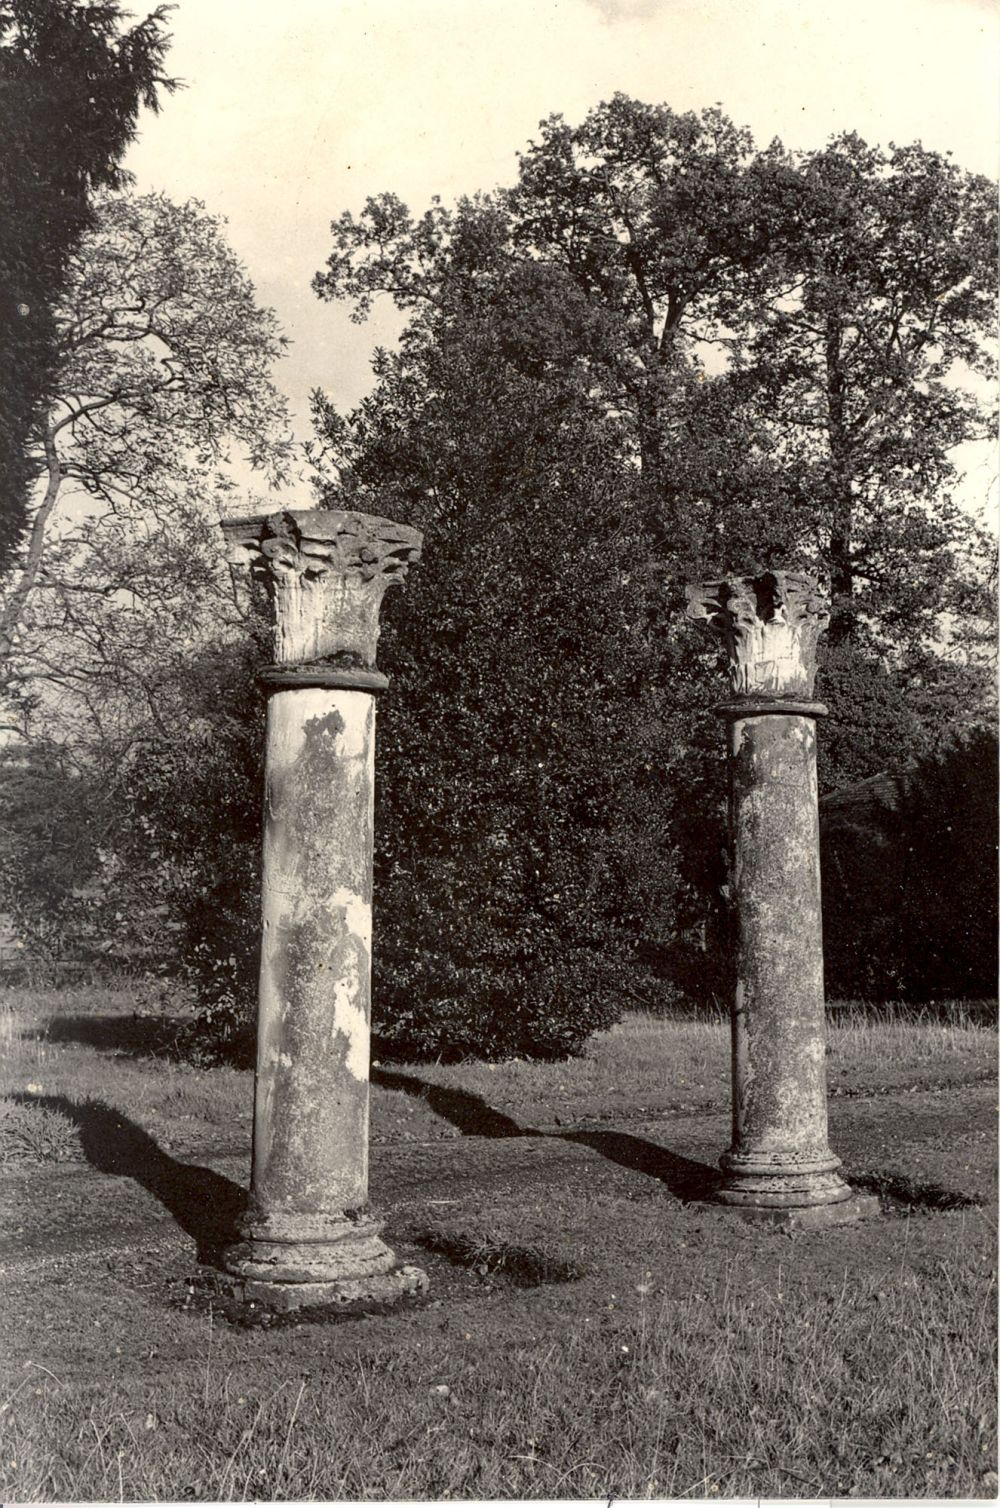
[658, 356]
[841, 560]
[13, 609]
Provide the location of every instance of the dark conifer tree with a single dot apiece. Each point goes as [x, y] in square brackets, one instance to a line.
[73, 78]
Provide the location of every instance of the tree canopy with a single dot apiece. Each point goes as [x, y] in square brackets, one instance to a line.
[73, 78]
[164, 366]
[863, 368]
[677, 355]
[788, 338]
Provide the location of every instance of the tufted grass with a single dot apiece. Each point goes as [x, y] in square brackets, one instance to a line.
[736, 1388]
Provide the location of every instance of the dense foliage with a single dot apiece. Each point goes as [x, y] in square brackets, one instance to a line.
[663, 354]
[521, 850]
[190, 843]
[50, 841]
[909, 878]
[73, 77]
[758, 352]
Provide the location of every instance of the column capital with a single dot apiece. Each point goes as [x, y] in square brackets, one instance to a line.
[325, 572]
[770, 624]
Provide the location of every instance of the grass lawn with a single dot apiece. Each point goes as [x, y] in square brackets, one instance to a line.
[594, 1326]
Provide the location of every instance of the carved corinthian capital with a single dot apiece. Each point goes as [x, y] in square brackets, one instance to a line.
[770, 625]
[325, 573]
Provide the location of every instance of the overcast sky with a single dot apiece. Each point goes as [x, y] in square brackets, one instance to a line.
[295, 110]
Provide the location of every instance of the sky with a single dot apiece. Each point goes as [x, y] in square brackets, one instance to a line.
[293, 112]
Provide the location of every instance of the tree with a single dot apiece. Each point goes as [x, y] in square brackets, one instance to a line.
[864, 367]
[164, 364]
[72, 80]
[788, 339]
[669, 276]
[518, 851]
[628, 250]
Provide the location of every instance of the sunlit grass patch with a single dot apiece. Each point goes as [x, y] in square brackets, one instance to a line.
[860, 1032]
[39, 1056]
[662, 1063]
[645, 1064]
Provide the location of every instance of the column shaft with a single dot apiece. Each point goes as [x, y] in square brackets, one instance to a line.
[780, 1154]
[310, 1151]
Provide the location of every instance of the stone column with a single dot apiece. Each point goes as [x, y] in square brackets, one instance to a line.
[308, 1237]
[780, 1165]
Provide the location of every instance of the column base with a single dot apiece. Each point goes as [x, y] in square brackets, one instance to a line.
[781, 1180]
[289, 1261]
[812, 1217]
[378, 1288]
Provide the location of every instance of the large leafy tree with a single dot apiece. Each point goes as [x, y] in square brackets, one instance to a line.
[629, 251]
[164, 370]
[789, 340]
[870, 369]
[73, 78]
[687, 290]
[520, 852]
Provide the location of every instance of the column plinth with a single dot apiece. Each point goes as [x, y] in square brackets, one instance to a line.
[780, 1161]
[308, 1236]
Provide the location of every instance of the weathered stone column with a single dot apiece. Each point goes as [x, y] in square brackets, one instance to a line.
[780, 1164]
[308, 1236]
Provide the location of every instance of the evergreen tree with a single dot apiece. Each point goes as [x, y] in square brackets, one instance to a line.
[73, 78]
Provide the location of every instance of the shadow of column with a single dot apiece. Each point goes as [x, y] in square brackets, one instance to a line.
[687, 1179]
[205, 1204]
[468, 1112]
